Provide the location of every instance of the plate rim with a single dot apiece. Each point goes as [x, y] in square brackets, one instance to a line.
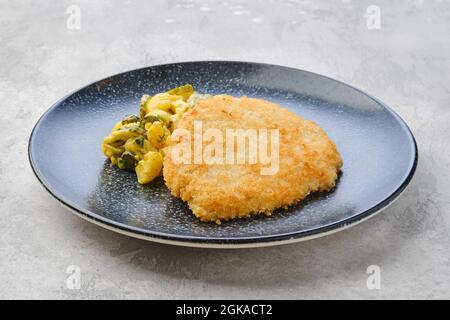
[232, 242]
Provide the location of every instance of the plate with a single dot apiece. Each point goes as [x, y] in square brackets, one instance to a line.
[377, 147]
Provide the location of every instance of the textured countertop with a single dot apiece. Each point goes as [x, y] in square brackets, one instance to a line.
[404, 60]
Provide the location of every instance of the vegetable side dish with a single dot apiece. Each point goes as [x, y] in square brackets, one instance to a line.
[138, 142]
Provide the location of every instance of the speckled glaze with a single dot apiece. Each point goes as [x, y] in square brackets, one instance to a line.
[378, 150]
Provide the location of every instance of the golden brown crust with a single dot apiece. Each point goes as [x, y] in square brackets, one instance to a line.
[309, 162]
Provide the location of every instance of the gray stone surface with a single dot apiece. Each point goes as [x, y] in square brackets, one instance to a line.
[406, 64]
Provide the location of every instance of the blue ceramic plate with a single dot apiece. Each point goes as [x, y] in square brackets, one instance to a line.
[378, 149]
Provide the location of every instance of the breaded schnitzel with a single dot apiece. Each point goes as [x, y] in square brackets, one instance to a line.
[308, 161]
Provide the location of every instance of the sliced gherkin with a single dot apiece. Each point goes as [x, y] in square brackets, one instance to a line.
[130, 119]
[184, 91]
[126, 161]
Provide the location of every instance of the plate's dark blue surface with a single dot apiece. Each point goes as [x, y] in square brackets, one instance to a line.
[378, 150]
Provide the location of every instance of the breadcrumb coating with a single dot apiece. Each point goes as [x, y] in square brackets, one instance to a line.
[308, 162]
